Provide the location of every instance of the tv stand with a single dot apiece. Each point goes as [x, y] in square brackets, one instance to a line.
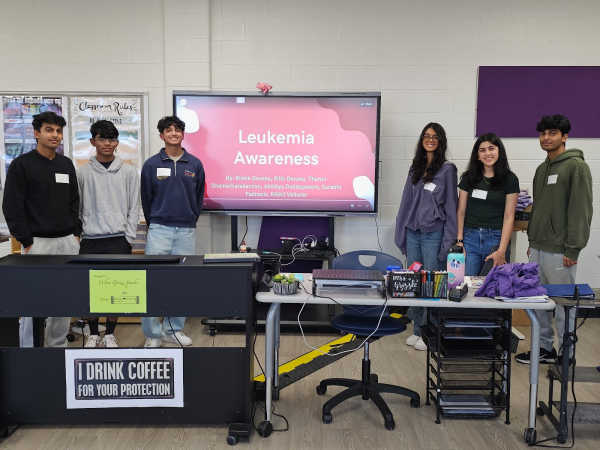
[315, 318]
[330, 235]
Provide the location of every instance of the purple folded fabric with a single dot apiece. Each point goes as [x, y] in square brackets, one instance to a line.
[512, 280]
[524, 200]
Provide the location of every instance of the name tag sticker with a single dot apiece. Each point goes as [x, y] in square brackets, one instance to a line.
[429, 186]
[163, 172]
[478, 193]
[62, 177]
[552, 179]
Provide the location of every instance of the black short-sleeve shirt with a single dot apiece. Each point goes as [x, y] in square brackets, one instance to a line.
[488, 212]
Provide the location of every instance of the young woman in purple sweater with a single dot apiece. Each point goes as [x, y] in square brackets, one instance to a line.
[426, 222]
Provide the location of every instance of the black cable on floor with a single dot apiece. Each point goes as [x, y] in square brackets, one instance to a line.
[173, 331]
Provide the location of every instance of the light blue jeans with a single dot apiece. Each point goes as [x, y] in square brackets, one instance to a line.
[164, 240]
[478, 242]
[424, 248]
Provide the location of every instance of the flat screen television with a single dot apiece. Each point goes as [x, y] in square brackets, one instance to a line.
[287, 153]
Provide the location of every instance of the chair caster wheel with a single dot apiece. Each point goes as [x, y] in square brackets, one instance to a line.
[212, 331]
[529, 435]
[327, 418]
[540, 411]
[265, 429]
[374, 378]
[414, 403]
[70, 337]
[232, 440]
[390, 425]
[321, 389]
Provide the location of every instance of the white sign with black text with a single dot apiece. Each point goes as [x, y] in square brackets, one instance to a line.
[124, 378]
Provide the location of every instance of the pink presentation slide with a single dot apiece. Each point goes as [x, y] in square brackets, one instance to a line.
[283, 153]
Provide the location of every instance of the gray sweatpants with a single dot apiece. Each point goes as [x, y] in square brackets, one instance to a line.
[553, 271]
[56, 327]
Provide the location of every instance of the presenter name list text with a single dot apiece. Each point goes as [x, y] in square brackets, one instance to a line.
[276, 189]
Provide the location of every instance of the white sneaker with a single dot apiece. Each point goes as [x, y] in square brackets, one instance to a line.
[110, 341]
[420, 345]
[412, 340]
[152, 342]
[92, 341]
[178, 338]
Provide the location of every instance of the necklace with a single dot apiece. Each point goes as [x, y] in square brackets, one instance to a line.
[486, 181]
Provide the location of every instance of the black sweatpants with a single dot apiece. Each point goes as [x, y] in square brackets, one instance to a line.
[105, 246]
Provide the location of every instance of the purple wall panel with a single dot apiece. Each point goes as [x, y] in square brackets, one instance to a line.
[512, 100]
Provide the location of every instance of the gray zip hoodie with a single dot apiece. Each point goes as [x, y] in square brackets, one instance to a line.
[109, 199]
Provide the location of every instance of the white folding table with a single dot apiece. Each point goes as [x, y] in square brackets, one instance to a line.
[372, 298]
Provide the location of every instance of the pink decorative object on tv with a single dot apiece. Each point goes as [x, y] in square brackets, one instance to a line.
[264, 87]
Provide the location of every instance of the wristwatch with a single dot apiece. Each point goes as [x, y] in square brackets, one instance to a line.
[459, 241]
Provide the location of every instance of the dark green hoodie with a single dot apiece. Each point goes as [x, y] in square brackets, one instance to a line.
[562, 205]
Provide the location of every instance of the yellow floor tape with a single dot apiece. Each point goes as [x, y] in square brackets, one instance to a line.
[312, 355]
[309, 356]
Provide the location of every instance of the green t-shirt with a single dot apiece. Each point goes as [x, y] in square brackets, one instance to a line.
[486, 208]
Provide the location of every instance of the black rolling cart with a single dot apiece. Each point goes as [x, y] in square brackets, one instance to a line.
[559, 410]
[468, 362]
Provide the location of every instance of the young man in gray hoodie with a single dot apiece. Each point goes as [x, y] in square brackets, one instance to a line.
[109, 192]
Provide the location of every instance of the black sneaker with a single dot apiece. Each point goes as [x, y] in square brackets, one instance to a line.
[546, 357]
[560, 361]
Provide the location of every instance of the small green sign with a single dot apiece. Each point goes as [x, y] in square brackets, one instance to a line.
[117, 291]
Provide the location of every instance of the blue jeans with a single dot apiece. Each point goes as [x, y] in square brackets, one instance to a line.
[478, 242]
[164, 240]
[424, 248]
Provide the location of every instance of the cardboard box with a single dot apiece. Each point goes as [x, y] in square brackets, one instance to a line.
[520, 318]
[521, 225]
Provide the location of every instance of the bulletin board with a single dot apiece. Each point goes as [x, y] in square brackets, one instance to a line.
[127, 110]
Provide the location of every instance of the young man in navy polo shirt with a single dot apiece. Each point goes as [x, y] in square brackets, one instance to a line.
[172, 193]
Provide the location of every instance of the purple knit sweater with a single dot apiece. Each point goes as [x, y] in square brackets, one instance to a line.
[429, 210]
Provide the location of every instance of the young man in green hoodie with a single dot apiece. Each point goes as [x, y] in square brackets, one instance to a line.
[560, 223]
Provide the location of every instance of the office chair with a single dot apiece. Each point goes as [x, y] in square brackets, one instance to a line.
[362, 324]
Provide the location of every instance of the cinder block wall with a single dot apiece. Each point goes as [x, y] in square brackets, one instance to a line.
[421, 54]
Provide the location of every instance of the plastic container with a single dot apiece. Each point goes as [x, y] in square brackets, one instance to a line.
[388, 270]
[456, 266]
[285, 288]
